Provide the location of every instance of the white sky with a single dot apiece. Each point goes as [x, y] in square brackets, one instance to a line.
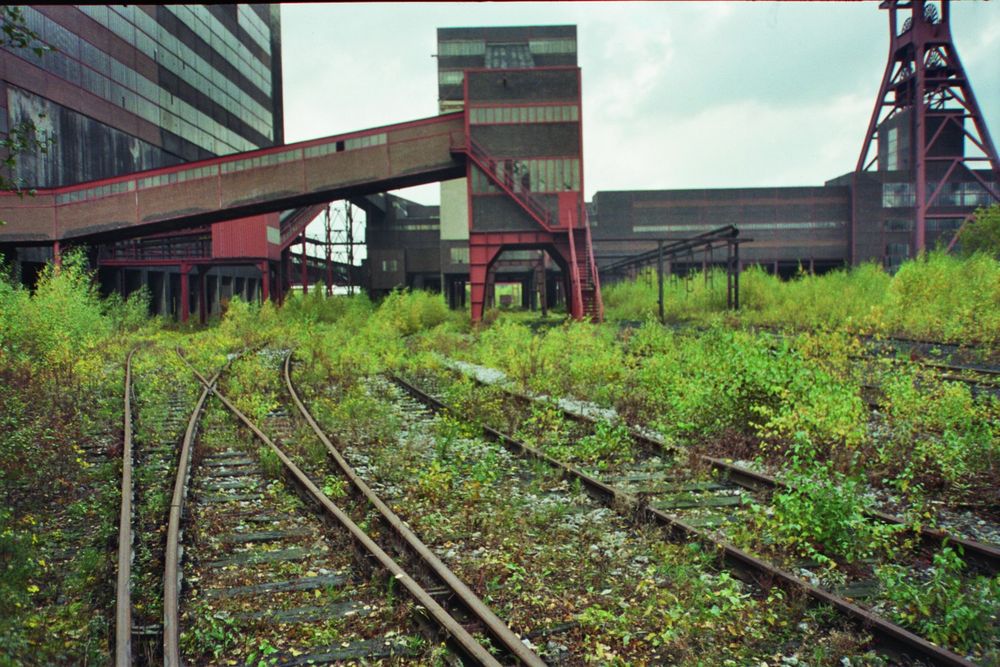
[675, 95]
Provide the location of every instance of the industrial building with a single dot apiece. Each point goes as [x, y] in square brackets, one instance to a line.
[128, 88]
[163, 86]
[869, 214]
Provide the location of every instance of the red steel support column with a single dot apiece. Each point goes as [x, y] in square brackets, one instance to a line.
[265, 280]
[202, 295]
[284, 274]
[305, 266]
[920, 140]
[482, 254]
[329, 253]
[185, 293]
[57, 256]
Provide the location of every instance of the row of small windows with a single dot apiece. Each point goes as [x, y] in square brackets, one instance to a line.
[118, 83]
[969, 193]
[179, 177]
[931, 224]
[262, 161]
[189, 66]
[204, 24]
[552, 46]
[749, 227]
[462, 47]
[531, 114]
[477, 47]
[415, 227]
[542, 175]
[225, 168]
[96, 192]
[450, 77]
[255, 27]
[348, 144]
[120, 88]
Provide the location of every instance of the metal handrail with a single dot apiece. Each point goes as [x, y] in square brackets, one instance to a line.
[488, 165]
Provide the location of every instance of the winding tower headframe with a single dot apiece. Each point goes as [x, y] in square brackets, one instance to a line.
[925, 80]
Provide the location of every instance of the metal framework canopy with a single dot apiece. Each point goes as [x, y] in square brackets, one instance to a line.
[926, 125]
[669, 250]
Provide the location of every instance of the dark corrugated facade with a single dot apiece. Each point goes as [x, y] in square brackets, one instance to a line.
[787, 225]
[130, 87]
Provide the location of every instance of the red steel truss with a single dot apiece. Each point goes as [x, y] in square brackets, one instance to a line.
[925, 77]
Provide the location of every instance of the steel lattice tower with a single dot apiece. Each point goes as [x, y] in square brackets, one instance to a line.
[924, 78]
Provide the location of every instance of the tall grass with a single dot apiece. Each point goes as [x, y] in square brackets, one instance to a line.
[935, 297]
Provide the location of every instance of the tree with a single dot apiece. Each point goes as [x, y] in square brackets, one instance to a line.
[22, 138]
[982, 233]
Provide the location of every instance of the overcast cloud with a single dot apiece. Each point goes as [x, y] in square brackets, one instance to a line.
[676, 95]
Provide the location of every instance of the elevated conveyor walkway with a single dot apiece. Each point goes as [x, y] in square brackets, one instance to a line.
[240, 185]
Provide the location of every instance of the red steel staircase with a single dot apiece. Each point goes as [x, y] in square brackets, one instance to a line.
[566, 234]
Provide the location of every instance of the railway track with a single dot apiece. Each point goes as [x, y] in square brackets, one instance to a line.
[149, 457]
[252, 573]
[443, 625]
[660, 487]
[566, 511]
[731, 483]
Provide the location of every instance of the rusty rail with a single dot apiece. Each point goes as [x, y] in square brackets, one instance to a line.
[498, 630]
[123, 594]
[890, 635]
[171, 569]
[984, 556]
[463, 641]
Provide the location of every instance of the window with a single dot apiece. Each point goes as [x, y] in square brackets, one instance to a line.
[896, 253]
[390, 265]
[460, 255]
[508, 56]
[551, 175]
[898, 225]
[744, 227]
[450, 77]
[971, 194]
[898, 195]
[892, 149]
[462, 47]
[566, 113]
[943, 224]
[564, 45]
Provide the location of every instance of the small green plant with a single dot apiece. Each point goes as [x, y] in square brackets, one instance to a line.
[210, 633]
[335, 487]
[609, 444]
[822, 513]
[943, 604]
[263, 655]
[270, 464]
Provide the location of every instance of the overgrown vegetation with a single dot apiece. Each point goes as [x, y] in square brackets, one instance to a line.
[938, 297]
[61, 356]
[797, 403]
[982, 234]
